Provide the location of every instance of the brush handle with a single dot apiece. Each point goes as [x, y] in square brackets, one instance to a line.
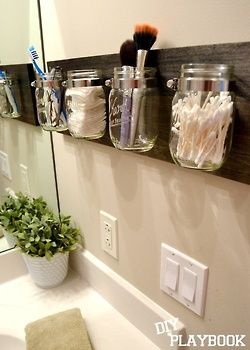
[137, 95]
[136, 105]
[141, 58]
[11, 98]
[38, 70]
[125, 118]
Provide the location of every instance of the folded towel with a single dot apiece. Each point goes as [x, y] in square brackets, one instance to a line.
[65, 331]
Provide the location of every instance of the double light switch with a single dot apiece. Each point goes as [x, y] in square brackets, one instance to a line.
[184, 278]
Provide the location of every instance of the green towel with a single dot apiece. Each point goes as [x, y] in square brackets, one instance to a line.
[62, 331]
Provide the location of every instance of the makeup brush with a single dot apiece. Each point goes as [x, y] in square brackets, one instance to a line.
[144, 38]
[128, 52]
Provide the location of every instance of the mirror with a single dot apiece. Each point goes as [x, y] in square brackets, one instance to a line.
[26, 158]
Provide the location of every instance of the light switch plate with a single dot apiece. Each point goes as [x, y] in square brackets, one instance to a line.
[191, 280]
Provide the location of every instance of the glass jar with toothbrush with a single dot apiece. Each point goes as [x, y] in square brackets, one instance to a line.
[202, 116]
[133, 109]
[85, 104]
[8, 102]
[49, 101]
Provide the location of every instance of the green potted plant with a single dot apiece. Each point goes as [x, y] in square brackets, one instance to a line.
[46, 243]
[11, 211]
[44, 238]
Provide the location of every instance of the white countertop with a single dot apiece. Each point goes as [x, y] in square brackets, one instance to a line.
[21, 302]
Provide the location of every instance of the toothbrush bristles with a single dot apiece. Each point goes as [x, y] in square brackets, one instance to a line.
[33, 53]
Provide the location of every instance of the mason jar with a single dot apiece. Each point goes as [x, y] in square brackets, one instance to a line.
[202, 116]
[85, 104]
[133, 109]
[49, 102]
[8, 102]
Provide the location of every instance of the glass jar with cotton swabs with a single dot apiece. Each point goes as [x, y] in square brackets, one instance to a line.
[85, 104]
[49, 101]
[8, 102]
[202, 116]
[133, 109]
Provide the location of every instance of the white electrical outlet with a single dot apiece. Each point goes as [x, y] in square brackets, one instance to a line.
[4, 165]
[108, 235]
[109, 239]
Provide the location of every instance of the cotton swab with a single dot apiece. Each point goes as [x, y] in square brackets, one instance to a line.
[201, 130]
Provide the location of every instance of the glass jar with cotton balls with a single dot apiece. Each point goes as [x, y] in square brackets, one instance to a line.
[85, 104]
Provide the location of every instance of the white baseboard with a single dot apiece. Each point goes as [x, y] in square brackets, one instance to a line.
[135, 306]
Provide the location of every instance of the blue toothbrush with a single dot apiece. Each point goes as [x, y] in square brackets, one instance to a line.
[34, 56]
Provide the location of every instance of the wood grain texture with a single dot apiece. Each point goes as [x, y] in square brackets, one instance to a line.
[23, 74]
[168, 62]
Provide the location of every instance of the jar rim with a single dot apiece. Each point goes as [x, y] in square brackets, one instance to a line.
[7, 79]
[129, 72]
[206, 67]
[91, 73]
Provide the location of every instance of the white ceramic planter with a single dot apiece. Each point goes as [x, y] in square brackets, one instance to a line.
[10, 238]
[48, 273]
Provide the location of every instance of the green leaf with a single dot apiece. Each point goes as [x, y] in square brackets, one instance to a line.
[33, 249]
[47, 246]
[21, 235]
[48, 255]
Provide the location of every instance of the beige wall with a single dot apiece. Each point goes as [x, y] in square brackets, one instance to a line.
[93, 27]
[202, 215]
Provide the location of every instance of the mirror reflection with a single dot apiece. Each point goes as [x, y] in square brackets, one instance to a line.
[26, 162]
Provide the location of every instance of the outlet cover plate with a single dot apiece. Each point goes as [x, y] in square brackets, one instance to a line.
[109, 240]
[192, 277]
